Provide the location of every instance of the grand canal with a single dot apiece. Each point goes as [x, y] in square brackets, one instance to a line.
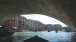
[50, 36]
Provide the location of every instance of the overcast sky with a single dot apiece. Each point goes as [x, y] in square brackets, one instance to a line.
[44, 19]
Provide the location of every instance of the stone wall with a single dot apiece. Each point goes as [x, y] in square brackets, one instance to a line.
[63, 10]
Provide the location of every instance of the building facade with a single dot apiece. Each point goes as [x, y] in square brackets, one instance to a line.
[40, 25]
[23, 23]
[58, 26]
[28, 23]
[48, 26]
[34, 25]
[18, 21]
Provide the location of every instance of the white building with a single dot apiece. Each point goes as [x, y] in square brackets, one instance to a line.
[34, 24]
[28, 23]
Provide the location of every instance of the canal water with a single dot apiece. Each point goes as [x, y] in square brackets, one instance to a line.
[50, 36]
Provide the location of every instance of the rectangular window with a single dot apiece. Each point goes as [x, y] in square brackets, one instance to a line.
[8, 24]
[11, 24]
[14, 20]
[11, 20]
[8, 20]
[14, 24]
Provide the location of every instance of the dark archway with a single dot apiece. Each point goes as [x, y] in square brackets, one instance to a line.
[63, 10]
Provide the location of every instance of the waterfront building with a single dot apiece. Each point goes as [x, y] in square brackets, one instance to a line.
[5, 23]
[23, 23]
[67, 29]
[46, 27]
[34, 25]
[12, 22]
[43, 27]
[18, 21]
[49, 26]
[52, 27]
[28, 23]
[40, 25]
[58, 26]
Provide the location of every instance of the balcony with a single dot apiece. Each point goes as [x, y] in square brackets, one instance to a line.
[19, 21]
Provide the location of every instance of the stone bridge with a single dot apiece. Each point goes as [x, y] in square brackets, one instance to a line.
[63, 10]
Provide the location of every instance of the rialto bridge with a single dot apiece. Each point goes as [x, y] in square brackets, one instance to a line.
[63, 10]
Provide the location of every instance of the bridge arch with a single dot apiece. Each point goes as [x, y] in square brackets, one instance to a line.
[62, 10]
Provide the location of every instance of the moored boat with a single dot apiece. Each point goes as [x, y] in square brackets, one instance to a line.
[6, 31]
[5, 34]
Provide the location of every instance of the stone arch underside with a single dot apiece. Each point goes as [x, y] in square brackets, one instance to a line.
[63, 10]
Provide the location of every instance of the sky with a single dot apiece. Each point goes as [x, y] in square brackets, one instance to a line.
[43, 18]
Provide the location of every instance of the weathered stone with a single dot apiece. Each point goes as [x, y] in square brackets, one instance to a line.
[63, 10]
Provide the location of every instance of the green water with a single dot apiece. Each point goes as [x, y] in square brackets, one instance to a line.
[50, 36]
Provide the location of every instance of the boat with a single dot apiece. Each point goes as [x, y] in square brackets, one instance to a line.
[63, 30]
[35, 39]
[6, 32]
[48, 30]
[56, 30]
